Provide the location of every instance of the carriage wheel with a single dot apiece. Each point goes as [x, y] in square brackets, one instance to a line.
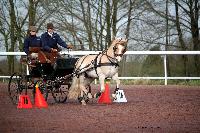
[43, 89]
[16, 85]
[60, 93]
[85, 97]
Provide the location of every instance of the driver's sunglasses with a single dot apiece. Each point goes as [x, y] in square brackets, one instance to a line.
[33, 31]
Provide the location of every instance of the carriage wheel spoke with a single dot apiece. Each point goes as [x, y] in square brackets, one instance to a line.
[15, 88]
[60, 93]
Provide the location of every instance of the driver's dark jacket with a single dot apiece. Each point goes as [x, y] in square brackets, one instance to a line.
[31, 41]
[49, 42]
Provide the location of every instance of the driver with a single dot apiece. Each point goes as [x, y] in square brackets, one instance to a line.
[50, 42]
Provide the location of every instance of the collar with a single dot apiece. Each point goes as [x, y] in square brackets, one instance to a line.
[33, 36]
[50, 34]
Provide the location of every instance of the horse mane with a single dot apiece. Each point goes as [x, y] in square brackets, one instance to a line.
[119, 41]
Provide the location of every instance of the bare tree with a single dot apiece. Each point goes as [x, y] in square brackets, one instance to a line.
[167, 38]
[194, 6]
[108, 23]
[13, 37]
[127, 33]
[114, 17]
[181, 41]
[187, 22]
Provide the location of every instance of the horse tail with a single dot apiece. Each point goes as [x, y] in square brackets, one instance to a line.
[75, 89]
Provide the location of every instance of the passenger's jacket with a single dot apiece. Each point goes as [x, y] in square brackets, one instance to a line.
[49, 42]
[32, 41]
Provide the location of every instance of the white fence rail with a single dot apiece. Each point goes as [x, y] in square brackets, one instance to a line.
[164, 53]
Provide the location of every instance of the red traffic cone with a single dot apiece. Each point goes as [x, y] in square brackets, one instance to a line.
[39, 99]
[105, 96]
[24, 102]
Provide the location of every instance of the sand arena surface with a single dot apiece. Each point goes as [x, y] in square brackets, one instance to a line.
[149, 109]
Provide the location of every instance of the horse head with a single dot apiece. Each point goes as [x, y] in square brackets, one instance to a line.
[119, 46]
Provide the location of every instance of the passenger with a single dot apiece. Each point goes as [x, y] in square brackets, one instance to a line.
[32, 47]
[32, 43]
[50, 39]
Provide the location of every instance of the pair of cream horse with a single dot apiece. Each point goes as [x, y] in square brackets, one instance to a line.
[101, 66]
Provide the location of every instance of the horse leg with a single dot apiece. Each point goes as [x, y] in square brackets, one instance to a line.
[88, 87]
[82, 98]
[102, 86]
[115, 77]
[89, 94]
[82, 89]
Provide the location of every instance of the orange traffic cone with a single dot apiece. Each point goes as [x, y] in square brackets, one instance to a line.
[24, 102]
[39, 99]
[105, 96]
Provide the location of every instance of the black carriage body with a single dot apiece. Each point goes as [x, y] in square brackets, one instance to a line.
[41, 70]
[62, 67]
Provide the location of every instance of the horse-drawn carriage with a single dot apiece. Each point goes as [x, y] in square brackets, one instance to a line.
[70, 76]
[54, 78]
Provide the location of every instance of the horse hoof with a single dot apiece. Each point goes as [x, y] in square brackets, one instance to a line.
[98, 94]
[114, 96]
[89, 95]
[83, 102]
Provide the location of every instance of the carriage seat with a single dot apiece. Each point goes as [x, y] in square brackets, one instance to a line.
[35, 55]
[51, 57]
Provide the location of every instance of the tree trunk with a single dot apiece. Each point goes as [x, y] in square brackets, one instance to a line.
[90, 36]
[194, 18]
[31, 12]
[167, 40]
[98, 21]
[87, 23]
[102, 27]
[12, 36]
[182, 43]
[108, 22]
[114, 18]
[127, 33]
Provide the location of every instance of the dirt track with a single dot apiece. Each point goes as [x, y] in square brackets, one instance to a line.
[149, 109]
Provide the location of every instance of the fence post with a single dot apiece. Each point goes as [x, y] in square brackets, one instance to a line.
[165, 68]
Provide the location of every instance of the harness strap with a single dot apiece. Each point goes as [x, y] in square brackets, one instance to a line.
[76, 71]
[108, 64]
[110, 60]
[95, 64]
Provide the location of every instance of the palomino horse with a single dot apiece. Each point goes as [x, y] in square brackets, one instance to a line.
[103, 65]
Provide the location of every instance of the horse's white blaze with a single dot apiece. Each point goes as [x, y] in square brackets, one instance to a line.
[120, 49]
[119, 52]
